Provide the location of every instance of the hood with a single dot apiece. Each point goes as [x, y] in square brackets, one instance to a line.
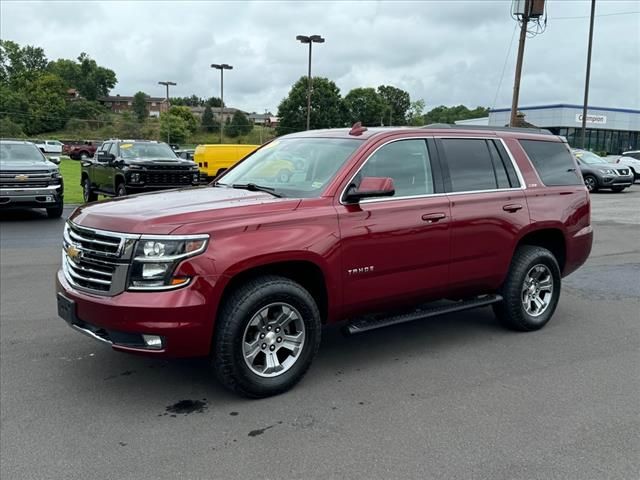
[26, 166]
[162, 212]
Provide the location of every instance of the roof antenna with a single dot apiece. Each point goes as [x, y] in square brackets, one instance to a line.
[357, 129]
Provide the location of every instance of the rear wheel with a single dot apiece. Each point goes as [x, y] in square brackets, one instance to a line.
[55, 212]
[531, 291]
[267, 334]
[591, 183]
[87, 193]
[84, 156]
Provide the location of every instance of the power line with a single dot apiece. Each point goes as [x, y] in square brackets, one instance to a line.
[504, 66]
[600, 15]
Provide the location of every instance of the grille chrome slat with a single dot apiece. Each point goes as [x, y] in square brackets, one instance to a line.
[101, 259]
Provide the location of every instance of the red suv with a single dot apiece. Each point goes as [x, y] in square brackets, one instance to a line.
[371, 228]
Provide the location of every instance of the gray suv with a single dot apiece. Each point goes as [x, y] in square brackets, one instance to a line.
[598, 173]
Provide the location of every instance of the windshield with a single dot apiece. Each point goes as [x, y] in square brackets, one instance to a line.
[294, 167]
[21, 152]
[146, 150]
[590, 158]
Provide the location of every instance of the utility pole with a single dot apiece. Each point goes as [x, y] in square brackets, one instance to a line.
[516, 81]
[222, 67]
[311, 39]
[166, 84]
[586, 82]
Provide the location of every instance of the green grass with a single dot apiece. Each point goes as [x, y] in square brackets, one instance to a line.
[70, 171]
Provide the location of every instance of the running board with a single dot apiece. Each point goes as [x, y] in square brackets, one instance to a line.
[371, 322]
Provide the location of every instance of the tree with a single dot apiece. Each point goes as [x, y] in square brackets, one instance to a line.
[19, 65]
[209, 123]
[175, 126]
[213, 102]
[84, 109]
[364, 105]
[415, 116]
[189, 118]
[443, 114]
[327, 107]
[85, 75]
[239, 125]
[47, 105]
[397, 102]
[139, 106]
[9, 129]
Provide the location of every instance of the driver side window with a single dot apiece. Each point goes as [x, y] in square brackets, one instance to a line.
[407, 163]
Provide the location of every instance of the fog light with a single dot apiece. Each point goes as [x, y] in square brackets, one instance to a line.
[152, 341]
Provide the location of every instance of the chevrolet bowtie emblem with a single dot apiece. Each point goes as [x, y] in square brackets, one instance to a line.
[22, 178]
[74, 253]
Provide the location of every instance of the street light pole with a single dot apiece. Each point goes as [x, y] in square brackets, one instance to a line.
[222, 67]
[586, 82]
[311, 39]
[166, 84]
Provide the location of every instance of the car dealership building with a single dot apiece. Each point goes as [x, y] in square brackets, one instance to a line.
[611, 130]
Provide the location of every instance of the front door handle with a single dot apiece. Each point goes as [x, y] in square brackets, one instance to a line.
[512, 207]
[433, 217]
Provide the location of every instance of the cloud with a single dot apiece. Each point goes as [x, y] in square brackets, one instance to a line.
[445, 52]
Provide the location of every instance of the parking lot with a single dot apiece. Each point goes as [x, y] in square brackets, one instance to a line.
[449, 397]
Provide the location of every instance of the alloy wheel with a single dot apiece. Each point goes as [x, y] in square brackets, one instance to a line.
[537, 290]
[273, 340]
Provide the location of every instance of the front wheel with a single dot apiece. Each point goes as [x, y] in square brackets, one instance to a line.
[591, 183]
[531, 291]
[121, 190]
[87, 193]
[55, 212]
[267, 334]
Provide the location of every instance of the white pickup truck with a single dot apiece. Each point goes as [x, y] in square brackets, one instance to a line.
[49, 146]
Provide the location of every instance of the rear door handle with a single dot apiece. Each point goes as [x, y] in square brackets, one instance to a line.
[512, 207]
[433, 217]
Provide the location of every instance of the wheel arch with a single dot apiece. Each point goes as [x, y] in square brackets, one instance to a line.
[117, 180]
[306, 272]
[551, 238]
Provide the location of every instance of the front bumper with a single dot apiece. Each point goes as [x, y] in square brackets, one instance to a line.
[31, 197]
[182, 318]
[608, 181]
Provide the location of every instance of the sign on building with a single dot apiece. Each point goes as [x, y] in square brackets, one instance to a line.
[597, 119]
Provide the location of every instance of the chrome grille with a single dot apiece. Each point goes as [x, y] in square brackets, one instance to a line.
[21, 179]
[95, 260]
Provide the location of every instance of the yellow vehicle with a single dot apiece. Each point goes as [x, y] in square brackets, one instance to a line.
[215, 159]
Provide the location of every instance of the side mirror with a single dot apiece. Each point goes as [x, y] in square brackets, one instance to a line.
[55, 160]
[371, 187]
[105, 157]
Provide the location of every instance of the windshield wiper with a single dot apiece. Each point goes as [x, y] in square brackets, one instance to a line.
[252, 187]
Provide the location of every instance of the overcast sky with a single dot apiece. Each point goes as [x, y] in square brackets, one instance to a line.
[445, 52]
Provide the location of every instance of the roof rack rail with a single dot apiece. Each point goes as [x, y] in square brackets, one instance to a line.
[489, 127]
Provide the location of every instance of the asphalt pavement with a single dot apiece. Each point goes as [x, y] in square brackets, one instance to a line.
[454, 397]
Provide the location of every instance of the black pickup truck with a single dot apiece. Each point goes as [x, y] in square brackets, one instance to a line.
[122, 167]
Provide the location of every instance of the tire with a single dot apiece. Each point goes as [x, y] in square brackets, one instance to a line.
[87, 193]
[84, 156]
[55, 212]
[591, 183]
[121, 190]
[617, 189]
[234, 326]
[220, 172]
[526, 263]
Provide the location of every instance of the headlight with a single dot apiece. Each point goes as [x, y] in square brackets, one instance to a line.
[135, 178]
[155, 260]
[608, 171]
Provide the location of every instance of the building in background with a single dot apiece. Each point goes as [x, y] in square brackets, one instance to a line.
[119, 104]
[610, 130]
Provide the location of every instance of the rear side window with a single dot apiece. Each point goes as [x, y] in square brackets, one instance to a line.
[470, 164]
[552, 161]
